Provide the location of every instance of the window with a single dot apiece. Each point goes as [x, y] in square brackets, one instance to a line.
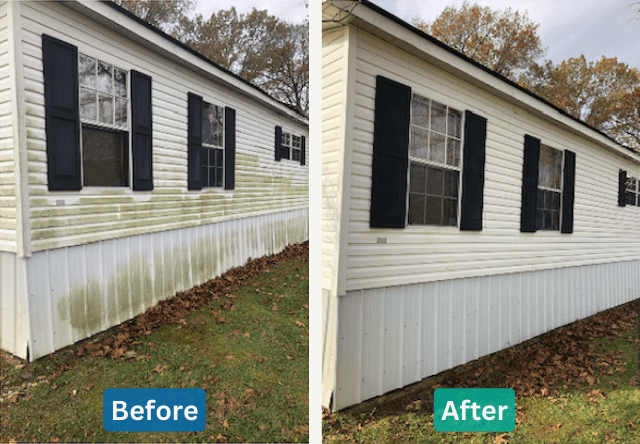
[632, 191]
[104, 122]
[212, 161]
[549, 189]
[291, 146]
[434, 163]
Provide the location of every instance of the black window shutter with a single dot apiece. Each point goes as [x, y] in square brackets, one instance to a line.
[302, 150]
[194, 141]
[62, 115]
[390, 154]
[622, 180]
[278, 146]
[475, 136]
[568, 191]
[529, 184]
[141, 129]
[229, 148]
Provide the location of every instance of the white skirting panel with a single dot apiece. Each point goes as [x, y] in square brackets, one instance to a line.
[329, 316]
[78, 291]
[391, 337]
[14, 320]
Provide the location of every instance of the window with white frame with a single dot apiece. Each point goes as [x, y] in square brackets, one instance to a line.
[212, 145]
[291, 146]
[549, 189]
[632, 191]
[434, 163]
[104, 122]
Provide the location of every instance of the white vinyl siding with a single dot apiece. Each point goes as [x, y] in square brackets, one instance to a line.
[71, 218]
[603, 232]
[334, 96]
[8, 217]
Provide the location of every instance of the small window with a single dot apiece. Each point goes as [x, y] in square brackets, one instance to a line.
[549, 189]
[291, 146]
[212, 145]
[632, 191]
[434, 163]
[104, 121]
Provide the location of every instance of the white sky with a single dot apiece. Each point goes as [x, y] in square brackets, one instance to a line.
[293, 11]
[568, 28]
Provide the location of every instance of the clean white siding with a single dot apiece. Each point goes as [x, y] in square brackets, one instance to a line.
[335, 109]
[603, 232]
[8, 222]
[334, 96]
[75, 292]
[392, 337]
[263, 186]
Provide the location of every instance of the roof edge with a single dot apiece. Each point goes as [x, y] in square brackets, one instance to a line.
[195, 53]
[467, 59]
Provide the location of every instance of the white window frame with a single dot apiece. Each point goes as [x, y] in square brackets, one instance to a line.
[629, 189]
[555, 190]
[290, 147]
[430, 163]
[124, 128]
[210, 146]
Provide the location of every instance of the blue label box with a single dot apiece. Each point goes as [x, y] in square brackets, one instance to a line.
[154, 410]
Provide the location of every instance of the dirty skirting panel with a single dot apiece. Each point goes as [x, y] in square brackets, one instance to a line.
[392, 337]
[78, 291]
[14, 321]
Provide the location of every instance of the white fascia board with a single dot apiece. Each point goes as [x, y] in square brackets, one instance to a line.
[139, 33]
[407, 40]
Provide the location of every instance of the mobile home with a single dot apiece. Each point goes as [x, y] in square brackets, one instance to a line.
[131, 167]
[461, 213]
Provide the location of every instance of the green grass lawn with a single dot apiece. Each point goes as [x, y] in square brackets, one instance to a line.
[601, 404]
[248, 351]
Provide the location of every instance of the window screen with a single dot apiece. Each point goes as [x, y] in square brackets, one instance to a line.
[104, 157]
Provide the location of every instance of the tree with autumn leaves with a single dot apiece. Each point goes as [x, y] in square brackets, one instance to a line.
[605, 94]
[262, 49]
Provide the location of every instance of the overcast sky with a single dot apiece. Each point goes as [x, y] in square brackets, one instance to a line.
[568, 28]
[293, 11]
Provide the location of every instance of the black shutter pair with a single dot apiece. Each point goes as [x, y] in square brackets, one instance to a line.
[530, 187]
[278, 146]
[391, 160]
[62, 117]
[622, 188]
[195, 179]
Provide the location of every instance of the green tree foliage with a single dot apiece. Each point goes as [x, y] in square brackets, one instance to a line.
[506, 42]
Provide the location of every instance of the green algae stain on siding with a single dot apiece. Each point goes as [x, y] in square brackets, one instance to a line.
[135, 284]
[84, 308]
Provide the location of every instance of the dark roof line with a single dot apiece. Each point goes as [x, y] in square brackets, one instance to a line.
[195, 53]
[437, 42]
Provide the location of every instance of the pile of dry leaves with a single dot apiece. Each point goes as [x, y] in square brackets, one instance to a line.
[562, 356]
[175, 309]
